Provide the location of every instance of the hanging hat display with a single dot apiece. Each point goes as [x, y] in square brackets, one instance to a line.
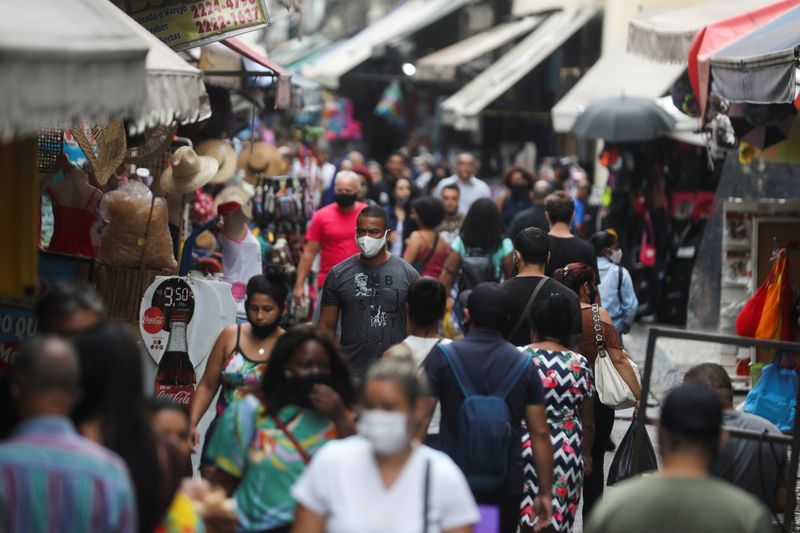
[189, 171]
[104, 146]
[260, 159]
[231, 198]
[154, 143]
[223, 152]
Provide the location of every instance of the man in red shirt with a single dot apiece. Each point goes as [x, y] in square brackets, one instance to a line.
[330, 234]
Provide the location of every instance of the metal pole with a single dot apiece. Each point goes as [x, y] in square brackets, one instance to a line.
[791, 500]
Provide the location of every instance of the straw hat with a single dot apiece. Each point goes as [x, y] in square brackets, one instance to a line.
[152, 144]
[188, 172]
[234, 193]
[225, 155]
[260, 159]
[104, 145]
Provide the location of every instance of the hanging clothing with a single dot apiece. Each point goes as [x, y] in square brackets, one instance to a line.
[240, 376]
[73, 227]
[567, 381]
[241, 259]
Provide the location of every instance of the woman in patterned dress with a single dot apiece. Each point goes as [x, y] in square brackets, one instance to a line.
[567, 381]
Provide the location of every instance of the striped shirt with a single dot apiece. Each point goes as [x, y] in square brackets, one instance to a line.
[52, 479]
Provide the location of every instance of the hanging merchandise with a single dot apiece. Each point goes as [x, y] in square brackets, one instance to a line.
[391, 105]
[283, 205]
[223, 152]
[337, 118]
[767, 314]
[241, 251]
[201, 307]
[774, 395]
[647, 254]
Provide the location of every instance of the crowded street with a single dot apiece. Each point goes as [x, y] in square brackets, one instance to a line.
[391, 266]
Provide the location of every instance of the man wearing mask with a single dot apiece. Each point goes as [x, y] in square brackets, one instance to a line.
[330, 234]
[453, 218]
[368, 292]
[472, 188]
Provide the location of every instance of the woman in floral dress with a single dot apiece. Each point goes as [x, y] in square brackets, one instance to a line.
[567, 381]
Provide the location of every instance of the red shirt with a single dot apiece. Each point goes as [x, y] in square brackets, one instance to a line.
[335, 230]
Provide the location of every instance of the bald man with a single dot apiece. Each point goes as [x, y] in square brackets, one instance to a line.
[330, 234]
[86, 487]
[534, 216]
[471, 188]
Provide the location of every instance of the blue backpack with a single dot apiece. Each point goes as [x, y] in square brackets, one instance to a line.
[484, 426]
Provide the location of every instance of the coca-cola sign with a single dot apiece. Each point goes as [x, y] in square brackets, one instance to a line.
[180, 394]
[153, 320]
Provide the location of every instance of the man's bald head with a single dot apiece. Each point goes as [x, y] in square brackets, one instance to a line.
[346, 180]
[46, 371]
[541, 190]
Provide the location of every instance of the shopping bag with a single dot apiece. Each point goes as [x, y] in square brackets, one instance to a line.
[749, 318]
[775, 322]
[622, 464]
[775, 395]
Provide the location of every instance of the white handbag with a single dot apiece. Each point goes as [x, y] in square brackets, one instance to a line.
[611, 389]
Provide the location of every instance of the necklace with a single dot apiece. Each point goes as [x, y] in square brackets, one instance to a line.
[261, 351]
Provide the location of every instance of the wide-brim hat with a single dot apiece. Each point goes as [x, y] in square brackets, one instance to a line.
[235, 193]
[105, 146]
[225, 155]
[188, 172]
[260, 159]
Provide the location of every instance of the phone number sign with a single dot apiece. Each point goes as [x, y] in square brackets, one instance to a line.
[184, 24]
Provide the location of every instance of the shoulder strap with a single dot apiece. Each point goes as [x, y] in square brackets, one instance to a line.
[619, 283]
[426, 496]
[293, 439]
[89, 201]
[238, 334]
[52, 195]
[464, 383]
[433, 250]
[513, 376]
[527, 309]
[598, 331]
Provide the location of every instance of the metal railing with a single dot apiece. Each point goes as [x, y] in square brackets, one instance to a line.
[731, 340]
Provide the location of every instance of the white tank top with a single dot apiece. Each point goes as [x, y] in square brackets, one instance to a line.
[241, 260]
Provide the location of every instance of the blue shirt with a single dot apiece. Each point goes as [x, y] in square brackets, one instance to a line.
[52, 479]
[622, 312]
[487, 358]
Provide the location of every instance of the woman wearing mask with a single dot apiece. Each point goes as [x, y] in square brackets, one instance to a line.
[425, 250]
[399, 211]
[567, 381]
[260, 449]
[239, 357]
[380, 480]
[517, 194]
[616, 287]
[580, 278]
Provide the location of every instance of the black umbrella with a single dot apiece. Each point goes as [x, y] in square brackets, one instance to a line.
[623, 119]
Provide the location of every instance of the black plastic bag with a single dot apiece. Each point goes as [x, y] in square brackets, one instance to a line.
[622, 465]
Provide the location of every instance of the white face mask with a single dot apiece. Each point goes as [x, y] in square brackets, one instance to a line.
[616, 256]
[386, 431]
[371, 246]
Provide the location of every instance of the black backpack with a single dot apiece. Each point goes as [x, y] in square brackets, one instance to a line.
[476, 267]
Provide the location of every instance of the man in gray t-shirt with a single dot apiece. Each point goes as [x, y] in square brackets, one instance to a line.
[757, 467]
[369, 291]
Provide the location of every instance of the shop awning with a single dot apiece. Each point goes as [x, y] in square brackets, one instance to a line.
[761, 67]
[714, 37]
[463, 108]
[527, 7]
[284, 89]
[616, 73]
[409, 17]
[61, 60]
[442, 64]
[666, 35]
[175, 90]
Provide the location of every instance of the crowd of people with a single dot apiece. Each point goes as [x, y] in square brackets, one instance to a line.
[446, 380]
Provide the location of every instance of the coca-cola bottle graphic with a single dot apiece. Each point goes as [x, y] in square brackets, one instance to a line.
[175, 378]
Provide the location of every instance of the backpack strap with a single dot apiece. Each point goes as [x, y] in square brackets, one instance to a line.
[511, 379]
[526, 311]
[464, 383]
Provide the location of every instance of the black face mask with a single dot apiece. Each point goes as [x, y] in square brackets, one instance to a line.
[303, 386]
[344, 200]
[519, 190]
[262, 332]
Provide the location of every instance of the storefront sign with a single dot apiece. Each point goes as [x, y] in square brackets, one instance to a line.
[17, 325]
[184, 24]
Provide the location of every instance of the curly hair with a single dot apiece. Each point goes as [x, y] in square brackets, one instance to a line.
[516, 169]
[275, 385]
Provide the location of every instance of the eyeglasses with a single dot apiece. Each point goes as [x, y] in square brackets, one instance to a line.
[374, 233]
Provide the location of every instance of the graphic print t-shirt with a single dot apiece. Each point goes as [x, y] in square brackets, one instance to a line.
[372, 305]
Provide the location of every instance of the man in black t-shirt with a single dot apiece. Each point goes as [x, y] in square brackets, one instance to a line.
[532, 247]
[487, 360]
[565, 248]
